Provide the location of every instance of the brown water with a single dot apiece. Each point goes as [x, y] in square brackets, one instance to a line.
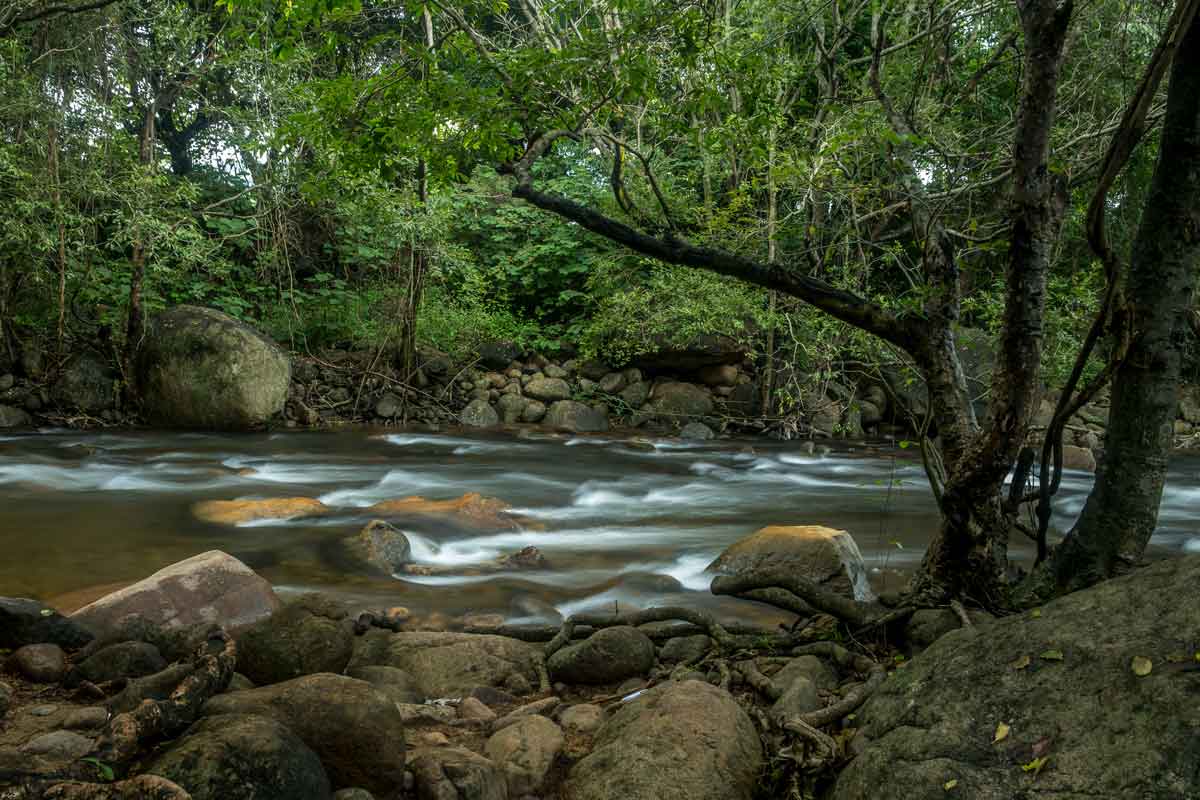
[625, 522]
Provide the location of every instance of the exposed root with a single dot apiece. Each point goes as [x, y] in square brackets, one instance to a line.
[851, 612]
[821, 750]
[714, 629]
[759, 682]
[846, 660]
[961, 612]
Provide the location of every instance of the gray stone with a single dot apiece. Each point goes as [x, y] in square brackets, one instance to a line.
[86, 718]
[6, 382]
[310, 634]
[455, 773]
[29, 621]
[548, 390]
[388, 406]
[1080, 458]
[356, 731]
[697, 431]
[569, 415]
[11, 417]
[679, 740]
[353, 794]
[41, 663]
[612, 383]
[525, 751]
[680, 401]
[395, 683]
[499, 354]
[510, 407]
[380, 547]
[685, 649]
[478, 414]
[121, 660]
[554, 371]
[534, 411]
[207, 588]
[242, 757]
[718, 375]
[609, 655]
[473, 708]
[58, 746]
[87, 383]
[798, 699]
[200, 368]
[6, 696]
[1111, 733]
[635, 394]
[811, 669]
[825, 556]
[1189, 404]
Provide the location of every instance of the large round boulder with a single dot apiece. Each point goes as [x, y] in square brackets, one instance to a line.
[242, 757]
[683, 739]
[450, 664]
[609, 655]
[200, 368]
[357, 732]
[309, 634]
[576, 417]
[1088, 697]
[681, 400]
[824, 556]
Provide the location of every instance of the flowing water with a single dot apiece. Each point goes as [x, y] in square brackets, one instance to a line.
[621, 522]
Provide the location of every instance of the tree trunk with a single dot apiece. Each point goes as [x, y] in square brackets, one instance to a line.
[135, 319]
[1122, 510]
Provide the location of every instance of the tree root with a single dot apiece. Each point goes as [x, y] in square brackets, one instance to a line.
[846, 660]
[714, 629]
[851, 612]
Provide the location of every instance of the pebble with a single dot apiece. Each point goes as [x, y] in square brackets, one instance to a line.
[41, 663]
[473, 708]
[86, 718]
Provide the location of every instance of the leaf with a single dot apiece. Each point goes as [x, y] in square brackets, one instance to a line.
[1035, 614]
[1020, 663]
[47, 612]
[1051, 655]
[1001, 732]
[1141, 666]
[950, 784]
[1036, 765]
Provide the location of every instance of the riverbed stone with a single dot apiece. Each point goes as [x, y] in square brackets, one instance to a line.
[355, 730]
[718, 375]
[575, 417]
[395, 683]
[242, 757]
[1061, 681]
[612, 383]
[510, 407]
[684, 649]
[455, 773]
[679, 401]
[582, 719]
[1080, 458]
[380, 547]
[479, 414]
[825, 556]
[533, 411]
[86, 718]
[201, 368]
[474, 708]
[1189, 404]
[121, 660]
[525, 751]
[609, 655]
[309, 634]
[242, 511]
[24, 621]
[450, 664]
[58, 746]
[87, 383]
[696, 431]
[41, 663]
[498, 354]
[206, 588]
[12, 417]
[809, 668]
[682, 739]
[635, 394]
[548, 390]
[388, 406]
[471, 510]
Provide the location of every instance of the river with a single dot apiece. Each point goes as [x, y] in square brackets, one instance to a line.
[622, 522]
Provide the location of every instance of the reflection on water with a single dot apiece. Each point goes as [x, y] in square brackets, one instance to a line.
[621, 522]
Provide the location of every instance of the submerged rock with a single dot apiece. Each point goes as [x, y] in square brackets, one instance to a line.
[682, 739]
[239, 512]
[1063, 683]
[210, 587]
[242, 757]
[200, 368]
[822, 555]
[471, 510]
[357, 732]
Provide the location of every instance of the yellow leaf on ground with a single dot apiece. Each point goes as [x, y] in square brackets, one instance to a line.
[1021, 663]
[950, 784]
[1036, 765]
[1001, 732]
[1141, 666]
[1037, 612]
[1052, 655]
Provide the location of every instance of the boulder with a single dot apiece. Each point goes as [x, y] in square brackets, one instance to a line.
[1189, 404]
[455, 773]
[450, 664]
[200, 368]
[307, 635]
[58, 746]
[87, 383]
[121, 660]
[380, 547]
[682, 739]
[499, 354]
[474, 708]
[510, 407]
[575, 417]
[240, 512]
[24, 621]
[41, 663]
[612, 383]
[11, 417]
[479, 414]
[718, 375]
[210, 587]
[697, 431]
[699, 352]
[355, 730]
[241, 757]
[1064, 684]
[1080, 458]
[685, 649]
[609, 655]
[395, 683]
[635, 394]
[822, 555]
[680, 401]
[809, 668]
[583, 719]
[472, 510]
[525, 751]
[548, 390]
[534, 411]
[388, 406]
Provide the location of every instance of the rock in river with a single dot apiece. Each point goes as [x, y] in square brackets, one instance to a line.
[309, 634]
[609, 655]
[824, 556]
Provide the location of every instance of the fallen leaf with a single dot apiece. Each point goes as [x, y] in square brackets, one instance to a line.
[1001, 732]
[1036, 765]
[1037, 612]
[1052, 655]
[950, 784]
[1020, 663]
[1141, 666]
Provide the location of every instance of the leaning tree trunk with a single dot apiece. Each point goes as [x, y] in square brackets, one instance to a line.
[1122, 510]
